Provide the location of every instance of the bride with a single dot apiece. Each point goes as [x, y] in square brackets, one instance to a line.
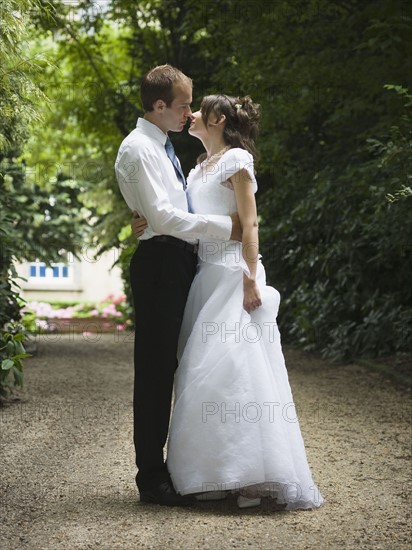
[234, 425]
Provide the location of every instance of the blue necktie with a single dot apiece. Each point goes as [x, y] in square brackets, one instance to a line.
[174, 160]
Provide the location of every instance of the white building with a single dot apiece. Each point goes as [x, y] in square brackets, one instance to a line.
[87, 279]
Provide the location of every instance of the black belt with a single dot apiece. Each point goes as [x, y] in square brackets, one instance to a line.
[193, 248]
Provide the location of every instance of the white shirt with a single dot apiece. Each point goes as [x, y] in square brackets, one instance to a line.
[148, 183]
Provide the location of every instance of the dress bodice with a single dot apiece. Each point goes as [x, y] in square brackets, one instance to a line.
[209, 192]
[207, 187]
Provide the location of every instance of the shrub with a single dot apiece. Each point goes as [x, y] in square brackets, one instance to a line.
[38, 314]
[342, 255]
[12, 353]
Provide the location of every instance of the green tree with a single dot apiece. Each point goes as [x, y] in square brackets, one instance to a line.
[16, 111]
[36, 220]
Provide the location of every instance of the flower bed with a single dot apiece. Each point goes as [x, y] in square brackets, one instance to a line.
[106, 316]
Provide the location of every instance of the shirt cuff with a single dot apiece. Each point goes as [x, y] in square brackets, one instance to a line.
[219, 227]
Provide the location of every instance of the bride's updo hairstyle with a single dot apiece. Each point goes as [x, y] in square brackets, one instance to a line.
[242, 119]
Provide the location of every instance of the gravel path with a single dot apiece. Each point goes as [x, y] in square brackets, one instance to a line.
[67, 471]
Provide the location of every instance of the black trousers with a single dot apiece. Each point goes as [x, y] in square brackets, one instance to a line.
[161, 275]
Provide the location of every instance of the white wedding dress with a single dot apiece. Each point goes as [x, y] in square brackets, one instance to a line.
[234, 423]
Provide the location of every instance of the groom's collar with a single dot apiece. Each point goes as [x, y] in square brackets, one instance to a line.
[151, 130]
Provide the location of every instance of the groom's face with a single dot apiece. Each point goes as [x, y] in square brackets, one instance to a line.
[175, 116]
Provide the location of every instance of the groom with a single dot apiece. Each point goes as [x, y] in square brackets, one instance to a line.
[162, 269]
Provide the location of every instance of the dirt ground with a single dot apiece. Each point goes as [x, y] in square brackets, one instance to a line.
[67, 464]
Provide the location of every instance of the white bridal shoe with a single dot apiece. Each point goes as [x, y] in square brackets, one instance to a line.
[244, 502]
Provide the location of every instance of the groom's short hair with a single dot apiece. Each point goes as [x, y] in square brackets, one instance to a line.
[158, 84]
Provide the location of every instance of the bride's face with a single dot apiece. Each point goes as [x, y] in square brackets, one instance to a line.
[197, 127]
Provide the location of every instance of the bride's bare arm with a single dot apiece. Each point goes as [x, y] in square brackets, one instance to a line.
[246, 204]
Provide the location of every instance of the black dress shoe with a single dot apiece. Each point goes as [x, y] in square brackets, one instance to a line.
[165, 495]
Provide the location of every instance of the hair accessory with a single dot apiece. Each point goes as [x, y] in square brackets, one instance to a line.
[238, 106]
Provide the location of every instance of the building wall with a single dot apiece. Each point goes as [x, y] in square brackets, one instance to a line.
[85, 280]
